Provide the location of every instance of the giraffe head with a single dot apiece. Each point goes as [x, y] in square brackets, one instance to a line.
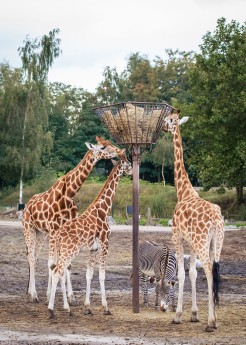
[124, 166]
[104, 149]
[172, 121]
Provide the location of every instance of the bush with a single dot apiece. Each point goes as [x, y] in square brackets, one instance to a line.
[242, 212]
[163, 222]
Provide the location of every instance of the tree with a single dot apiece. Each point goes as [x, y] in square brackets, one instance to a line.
[72, 123]
[172, 76]
[157, 81]
[218, 126]
[37, 57]
[12, 97]
[161, 160]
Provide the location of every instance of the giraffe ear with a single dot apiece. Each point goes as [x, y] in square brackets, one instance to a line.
[114, 162]
[91, 146]
[183, 120]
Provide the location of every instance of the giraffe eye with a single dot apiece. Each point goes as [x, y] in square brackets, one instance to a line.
[103, 147]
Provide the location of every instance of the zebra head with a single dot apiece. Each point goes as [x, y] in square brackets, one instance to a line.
[167, 293]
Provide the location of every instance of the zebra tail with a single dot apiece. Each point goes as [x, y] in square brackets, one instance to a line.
[216, 282]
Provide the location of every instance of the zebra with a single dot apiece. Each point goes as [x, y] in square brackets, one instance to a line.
[157, 264]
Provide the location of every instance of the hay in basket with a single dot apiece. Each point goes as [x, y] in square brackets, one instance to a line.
[134, 122]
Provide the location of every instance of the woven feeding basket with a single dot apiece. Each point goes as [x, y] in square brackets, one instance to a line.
[134, 122]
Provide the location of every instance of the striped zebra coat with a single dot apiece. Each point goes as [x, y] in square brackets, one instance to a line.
[157, 264]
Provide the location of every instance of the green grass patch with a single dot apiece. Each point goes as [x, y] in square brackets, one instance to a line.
[160, 199]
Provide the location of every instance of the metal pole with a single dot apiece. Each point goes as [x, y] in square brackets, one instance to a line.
[135, 229]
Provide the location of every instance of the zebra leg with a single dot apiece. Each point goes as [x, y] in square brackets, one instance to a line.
[181, 274]
[173, 294]
[193, 276]
[144, 287]
[157, 292]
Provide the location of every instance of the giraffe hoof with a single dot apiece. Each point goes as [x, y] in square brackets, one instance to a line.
[107, 312]
[210, 329]
[88, 312]
[52, 314]
[34, 299]
[176, 322]
[194, 319]
[71, 298]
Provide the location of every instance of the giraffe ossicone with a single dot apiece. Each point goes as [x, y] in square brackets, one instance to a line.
[201, 225]
[90, 229]
[46, 212]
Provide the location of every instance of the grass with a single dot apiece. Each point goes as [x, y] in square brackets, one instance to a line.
[158, 198]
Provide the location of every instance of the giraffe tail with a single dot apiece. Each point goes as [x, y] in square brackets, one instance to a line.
[216, 282]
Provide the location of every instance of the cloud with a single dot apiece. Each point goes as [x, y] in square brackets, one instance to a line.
[99, 33]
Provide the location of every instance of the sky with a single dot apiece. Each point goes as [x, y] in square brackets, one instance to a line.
[99, 33]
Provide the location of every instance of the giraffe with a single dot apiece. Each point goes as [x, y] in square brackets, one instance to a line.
[47, 211]
[90, 229]
[201, 225]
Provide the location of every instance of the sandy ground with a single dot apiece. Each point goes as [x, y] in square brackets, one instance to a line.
[23, 322]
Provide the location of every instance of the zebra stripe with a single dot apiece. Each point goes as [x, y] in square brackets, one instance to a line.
[157, 264]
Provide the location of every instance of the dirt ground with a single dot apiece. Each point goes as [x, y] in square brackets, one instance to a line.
[23, 322]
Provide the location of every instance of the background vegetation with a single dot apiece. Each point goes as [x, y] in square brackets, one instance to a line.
[43, 126]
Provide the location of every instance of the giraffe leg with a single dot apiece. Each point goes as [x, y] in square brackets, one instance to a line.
[30, 239]
[64, 293]
[102, 259]
[51, 264]
[70, 293]
[55, 280]
[103, 292]
[211, 305]
[181, 275]
[89, 276]
[193, 276]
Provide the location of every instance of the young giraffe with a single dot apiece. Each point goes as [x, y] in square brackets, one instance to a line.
[46, 212]
[90, 229]
[201, 224]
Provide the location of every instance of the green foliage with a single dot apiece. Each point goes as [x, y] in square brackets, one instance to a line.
[218, 114]
[163, 222]
[242, 212]
[163, 202]
[143, 221]
[24, 136]
[47, 126]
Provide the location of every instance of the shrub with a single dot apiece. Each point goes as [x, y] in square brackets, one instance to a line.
[242, 212]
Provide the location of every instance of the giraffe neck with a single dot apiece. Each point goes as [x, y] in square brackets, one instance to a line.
[182, 183]
[105, 198]
[73, 180]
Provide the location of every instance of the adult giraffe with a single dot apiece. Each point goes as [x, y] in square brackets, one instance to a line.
[90, 229]
[46, 212]
[199, 223]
